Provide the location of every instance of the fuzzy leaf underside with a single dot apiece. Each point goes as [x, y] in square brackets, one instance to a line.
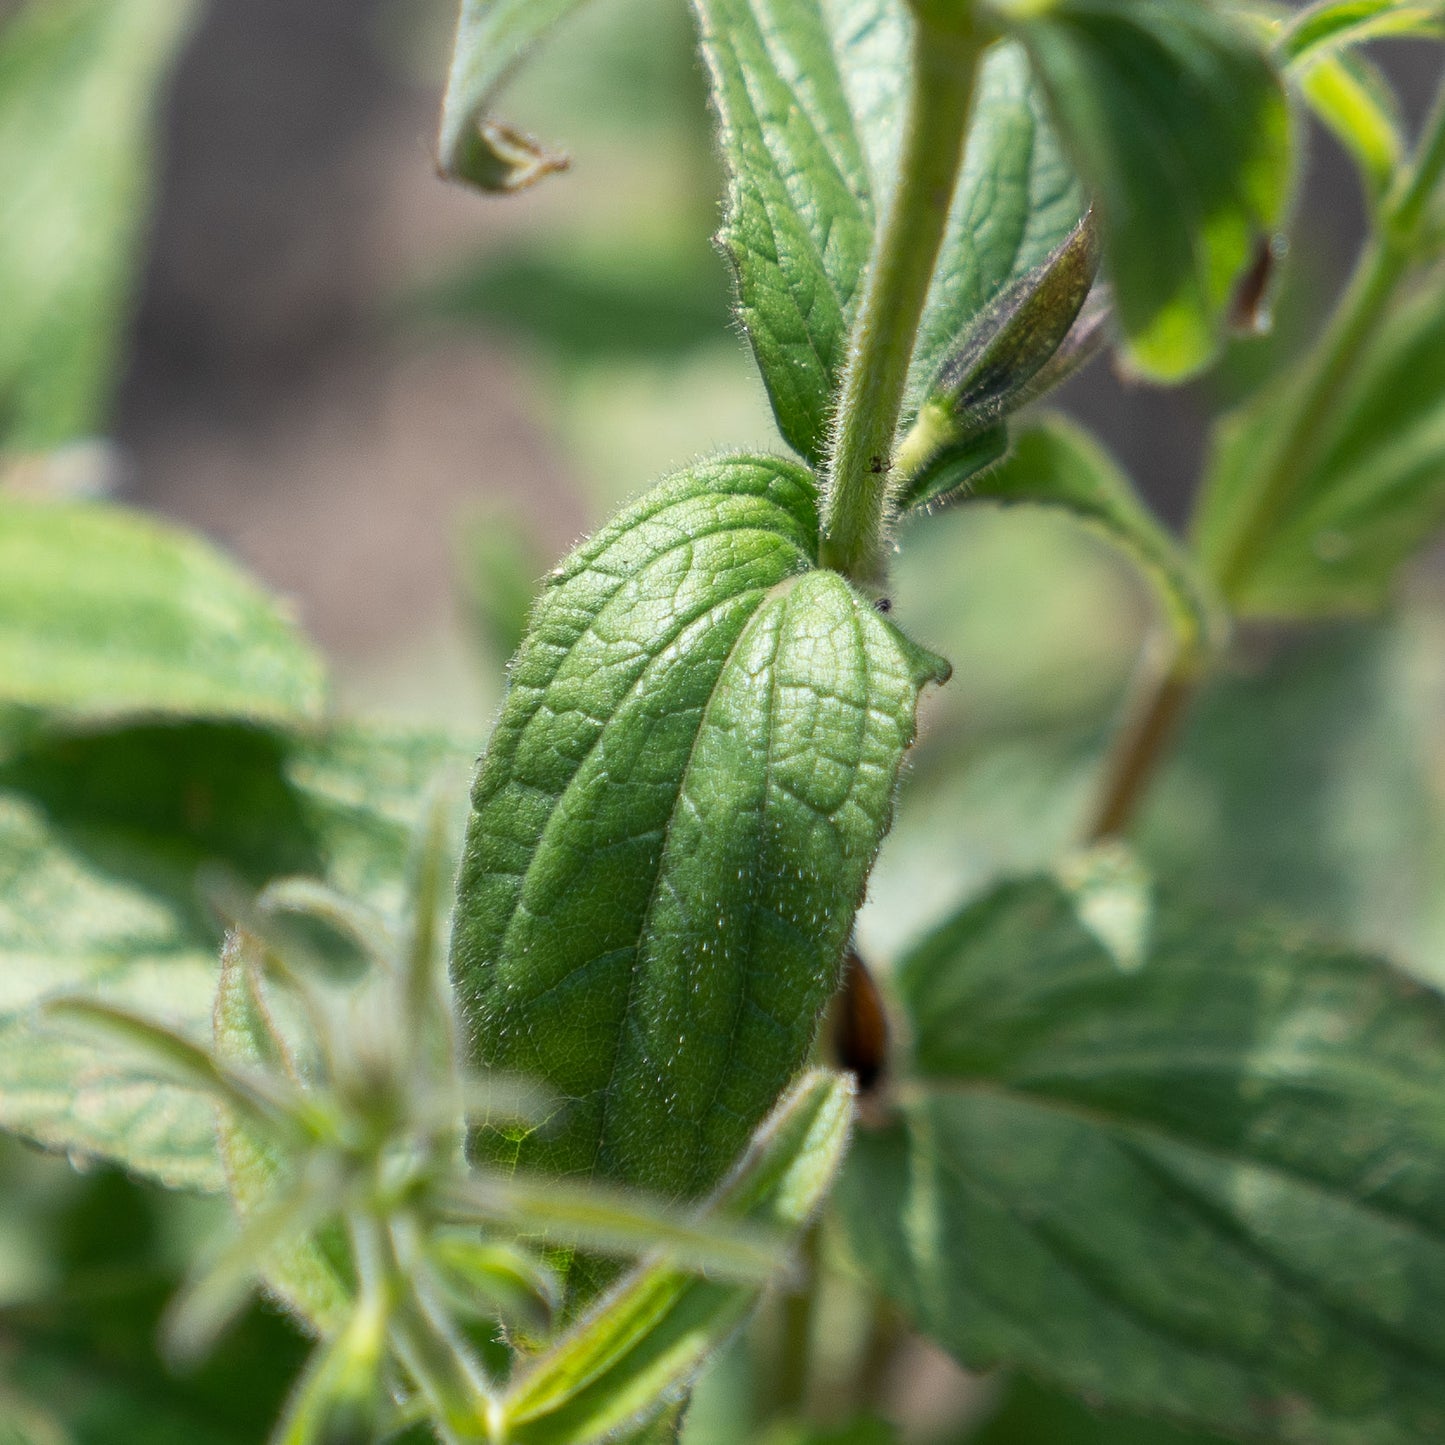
[810, 96]
[105, 612]
[1205, 1181]
[674, 823]
[1178, 122]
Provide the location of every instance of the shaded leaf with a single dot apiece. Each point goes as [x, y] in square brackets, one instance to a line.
[1369, 496]
[493, 36]
[1207, 1185]
[645, 1341]
[810, 99]
[1031, 1414]
[105, 612]
[101, 838]
[673, 826]
[77, 91]
[1177, 121]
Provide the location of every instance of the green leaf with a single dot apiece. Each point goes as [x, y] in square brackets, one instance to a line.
[493, 36]
[674, 823]
[1206, 1183]
[105, 612]
[1057, 464]
[1333, 25]
[644, 1342]
[77, 87]
[1354, 99]
[101, 838]
[1371, 495]
[809, 97]
[1031, 1414]
[1178, 122]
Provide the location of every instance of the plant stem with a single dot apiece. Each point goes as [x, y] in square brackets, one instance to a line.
[1171, 678]
[944, 63]
[1160, 699]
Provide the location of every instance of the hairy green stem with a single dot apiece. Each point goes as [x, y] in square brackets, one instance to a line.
[945, 57]
[1171, 679]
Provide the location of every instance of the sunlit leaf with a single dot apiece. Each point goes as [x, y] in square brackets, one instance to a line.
[104, 612]
[673, 825]
[810, 98]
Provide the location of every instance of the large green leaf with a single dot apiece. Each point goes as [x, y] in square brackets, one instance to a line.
[101, 839]
[105, 612]
[810, 94]
[1178, 122]
[1197, 1171]
[493, 36]
[77, 83]
[1370, 495]
[647, 1339]
[674, 823]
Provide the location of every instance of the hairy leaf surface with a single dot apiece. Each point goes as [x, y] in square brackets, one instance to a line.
[101, 838]
[104, 612]
[1178, 122]
[1371, 495]
[77, 86]
[810, 96]
[674, 823]
[1204, 1179]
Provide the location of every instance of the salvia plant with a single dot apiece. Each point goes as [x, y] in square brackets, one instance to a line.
[621, 1137]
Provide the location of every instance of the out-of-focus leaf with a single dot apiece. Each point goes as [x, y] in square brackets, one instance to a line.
[1204, 1183]
[673, 824]
[1333, 25]
[1056, 464]
[644, 1341]
[493, 36]
[101, 838]
[104, 612]
[1307, 781]
[77, 90]
[1031, 1414]
[1178, 122]
[1355, 100]
[1370, 495]
[647, 298]
[810, 100]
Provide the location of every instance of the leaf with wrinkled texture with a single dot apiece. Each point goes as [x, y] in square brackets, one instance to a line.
[1371, 496]
[78, 81]
[674, 823]
[647, 1339]
[104, 612]
[101, 837]
[1057, 464]
[493, 37]
[810, 96]
[1177, 120]
[1206, 1184]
